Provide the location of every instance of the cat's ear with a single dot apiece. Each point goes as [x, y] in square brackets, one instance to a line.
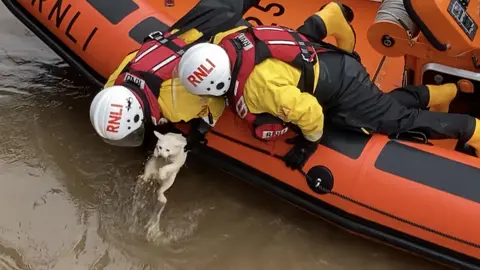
[179, 141]
[179, 147]
[179, 144]
[158, 134]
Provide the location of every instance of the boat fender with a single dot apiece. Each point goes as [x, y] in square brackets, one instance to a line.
[320, 179]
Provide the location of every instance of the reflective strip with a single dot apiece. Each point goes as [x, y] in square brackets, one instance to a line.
[281, 42]
[270, 28]
[164, 63]
[149, 50]
[235, 91]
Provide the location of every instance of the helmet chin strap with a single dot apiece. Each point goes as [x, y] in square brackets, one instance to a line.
[236, 67]
[150, 126]
[145, 104]
[149, 138]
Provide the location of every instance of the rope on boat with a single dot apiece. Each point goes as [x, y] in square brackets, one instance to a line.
[354, 201]
[371, 208]
[394, 11]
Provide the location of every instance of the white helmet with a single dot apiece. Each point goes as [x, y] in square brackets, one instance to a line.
[205, 70]
[117, 116]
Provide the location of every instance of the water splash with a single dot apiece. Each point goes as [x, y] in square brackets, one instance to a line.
[146, 211]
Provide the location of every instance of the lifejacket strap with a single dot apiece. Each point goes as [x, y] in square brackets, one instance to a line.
[236, 66]
[307, 67]
[168, 42]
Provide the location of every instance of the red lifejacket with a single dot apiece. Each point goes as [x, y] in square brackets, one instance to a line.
[250, 47]
[153, 64]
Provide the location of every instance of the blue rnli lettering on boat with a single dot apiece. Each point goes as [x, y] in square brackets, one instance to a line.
[59, 12]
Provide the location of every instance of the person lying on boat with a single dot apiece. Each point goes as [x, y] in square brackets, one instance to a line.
[138, 95]
[295, 78]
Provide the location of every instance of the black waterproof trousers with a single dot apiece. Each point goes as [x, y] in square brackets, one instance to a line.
[351, 100]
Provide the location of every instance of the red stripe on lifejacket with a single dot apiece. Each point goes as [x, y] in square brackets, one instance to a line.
[155, 58]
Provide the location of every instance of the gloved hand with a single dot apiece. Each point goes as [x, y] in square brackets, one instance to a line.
[194, 139]
[300, 152]
[197, 134]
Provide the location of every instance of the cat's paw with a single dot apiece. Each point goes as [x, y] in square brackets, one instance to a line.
[147, 176]
[163, 174]
[153, 232]
[144, 178]
[162, 121]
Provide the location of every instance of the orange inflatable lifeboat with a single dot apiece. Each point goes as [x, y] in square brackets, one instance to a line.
[416, 195]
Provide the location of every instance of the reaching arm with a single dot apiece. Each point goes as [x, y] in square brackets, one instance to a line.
[196, 136]
[210, 17]
[272, 88]
[216, 106]
[301, 109]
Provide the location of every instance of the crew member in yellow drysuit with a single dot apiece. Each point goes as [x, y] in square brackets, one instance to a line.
[121, 112]
[342, 89]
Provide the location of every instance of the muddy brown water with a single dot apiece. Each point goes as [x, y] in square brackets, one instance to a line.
[66, 197]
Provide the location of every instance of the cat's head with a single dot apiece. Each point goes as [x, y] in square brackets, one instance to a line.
[169, 145]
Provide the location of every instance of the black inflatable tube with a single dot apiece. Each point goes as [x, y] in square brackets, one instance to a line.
[266, 182]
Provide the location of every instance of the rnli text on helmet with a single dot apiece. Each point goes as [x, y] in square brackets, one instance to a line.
[114, 118]
[200, 73]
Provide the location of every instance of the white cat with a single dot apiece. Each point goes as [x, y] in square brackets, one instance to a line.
[168, 157]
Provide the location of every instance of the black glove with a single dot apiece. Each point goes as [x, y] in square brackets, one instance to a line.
[300, 153]
[197, 134]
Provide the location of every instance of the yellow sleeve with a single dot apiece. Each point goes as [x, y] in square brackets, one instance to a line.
[114, 75]
[193, 34]
[190, 36]
[218, 37]
[216, 106]
[272, 88]
[179, 105]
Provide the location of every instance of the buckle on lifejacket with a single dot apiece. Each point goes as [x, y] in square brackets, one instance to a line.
[307, 59]
[306, 55]
[157, 35]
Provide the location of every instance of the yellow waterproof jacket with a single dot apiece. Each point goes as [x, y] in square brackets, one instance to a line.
[272, 88]
[186, 106]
